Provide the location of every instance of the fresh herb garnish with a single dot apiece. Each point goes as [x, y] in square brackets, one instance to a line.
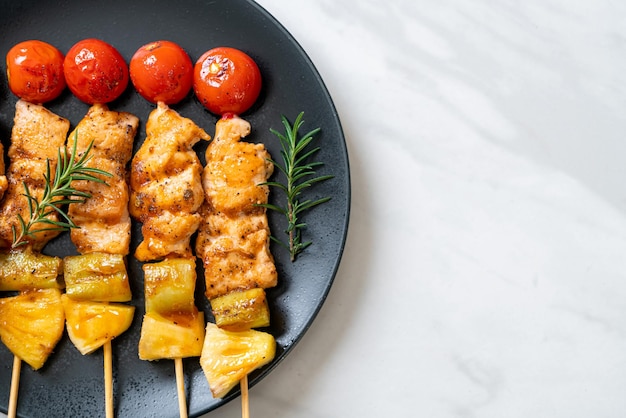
[57, 192]
[298, 172]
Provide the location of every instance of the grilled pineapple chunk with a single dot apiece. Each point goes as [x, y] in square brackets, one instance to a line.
[97, 277]
[241, 310]
[171, 336]
[229, 356]
[91, 324]
[172, 326]
[31, 324]
[28, 270]
[169, 285]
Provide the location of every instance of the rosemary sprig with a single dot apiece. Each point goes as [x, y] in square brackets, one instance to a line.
[58, 191]
[298, 171]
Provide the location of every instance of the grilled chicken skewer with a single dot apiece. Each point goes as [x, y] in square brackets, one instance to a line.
[166, 194]
[97, 278]
[233, 244]
[32, 321]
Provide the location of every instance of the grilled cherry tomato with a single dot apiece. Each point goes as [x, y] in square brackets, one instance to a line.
[226, 80]
[35, 71]
[161, 71]
[95, 71]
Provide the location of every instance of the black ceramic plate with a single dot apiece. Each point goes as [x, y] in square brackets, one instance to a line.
[71, 384]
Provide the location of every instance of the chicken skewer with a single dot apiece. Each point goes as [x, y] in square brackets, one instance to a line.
[32, 320]
[166, 194]
[97, 278]
[233, 244]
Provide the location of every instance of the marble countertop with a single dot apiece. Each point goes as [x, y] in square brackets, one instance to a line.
[485, 268]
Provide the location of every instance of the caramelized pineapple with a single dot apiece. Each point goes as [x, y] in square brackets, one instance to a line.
[172, 326]
[21, 270]
[31, 324]
[229, 356]
[169, 285]
[171, 336]
[241, 310]
[97, 277]
[91, 324]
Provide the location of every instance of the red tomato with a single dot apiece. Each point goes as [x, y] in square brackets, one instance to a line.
[161, 71]
[226, 80]
[35, 71]
[95, 71]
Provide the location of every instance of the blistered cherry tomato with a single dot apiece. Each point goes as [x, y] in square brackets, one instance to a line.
[95, 71]
[35, 71]
[161, 71]
[226, 80]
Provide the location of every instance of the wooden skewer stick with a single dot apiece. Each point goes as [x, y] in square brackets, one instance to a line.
[15, 384]
[245, 404]
[180, 385]
[108, 379]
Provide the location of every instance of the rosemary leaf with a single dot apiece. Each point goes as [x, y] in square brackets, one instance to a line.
[297, 172]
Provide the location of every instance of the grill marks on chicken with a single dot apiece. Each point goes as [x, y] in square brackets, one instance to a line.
[104, 219]
[3, 178]
[36, 137]
[233, 239]
[166, 191]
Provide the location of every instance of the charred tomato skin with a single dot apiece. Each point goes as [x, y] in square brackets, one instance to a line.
[95, 71]
[226, 80]
[35, 71]
[161, 71]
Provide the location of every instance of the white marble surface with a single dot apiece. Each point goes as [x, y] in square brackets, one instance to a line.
[485, 269]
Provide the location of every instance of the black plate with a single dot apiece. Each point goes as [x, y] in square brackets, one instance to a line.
[71, 384]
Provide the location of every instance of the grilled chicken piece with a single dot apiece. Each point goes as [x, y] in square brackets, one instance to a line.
[166, 189]
[3, 178]
[233, 239]
[234, 169]
[103, 219]
[36, 138]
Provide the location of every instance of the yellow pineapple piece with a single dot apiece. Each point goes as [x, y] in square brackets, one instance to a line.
[228, 356]
[91, 324]
[31, 324]
[241, 310]
[97, 277]
[22, 270]
[171, 336]
[172, 326]
[169, 286]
